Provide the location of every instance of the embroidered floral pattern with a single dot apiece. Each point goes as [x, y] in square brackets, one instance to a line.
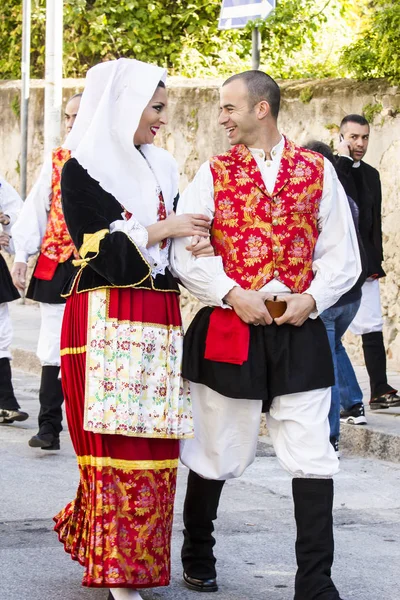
[57, 244]
[261, 236]
[119, 525]
[162, 215]
[134, 384]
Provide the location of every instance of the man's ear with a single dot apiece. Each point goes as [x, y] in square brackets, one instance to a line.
[263, 109]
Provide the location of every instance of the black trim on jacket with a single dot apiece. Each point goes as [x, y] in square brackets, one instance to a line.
[88, 208]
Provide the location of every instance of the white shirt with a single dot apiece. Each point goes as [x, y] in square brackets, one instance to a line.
[10, 205]
[336, 263]
[28, 231]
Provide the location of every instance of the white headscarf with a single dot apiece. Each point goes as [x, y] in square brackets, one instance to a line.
[115, 95]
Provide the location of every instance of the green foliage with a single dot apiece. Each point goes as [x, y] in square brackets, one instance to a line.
[15, 105]
[178, 34]
[376, 52]
[167, 32]
[332, 127]
[370, 111]
[306, 95]
[11, 36]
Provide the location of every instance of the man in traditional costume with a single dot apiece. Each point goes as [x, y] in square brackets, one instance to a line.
[283, 234]
[363, 184]
[10, 205]
[121, 344]
[41, 228]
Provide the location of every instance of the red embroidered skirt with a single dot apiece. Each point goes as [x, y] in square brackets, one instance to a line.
[119, 525]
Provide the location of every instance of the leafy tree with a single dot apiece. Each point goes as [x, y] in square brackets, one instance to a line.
[376, 52]
[178, 34]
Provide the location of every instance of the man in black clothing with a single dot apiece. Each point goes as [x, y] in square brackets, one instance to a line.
[362, 183]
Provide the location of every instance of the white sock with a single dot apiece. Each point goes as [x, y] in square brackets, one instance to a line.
[125, 594]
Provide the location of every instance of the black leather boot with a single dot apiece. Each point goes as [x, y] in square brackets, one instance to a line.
[313, 502]
[375, 362]
[9, 407]
[50, 414]
[199, 512]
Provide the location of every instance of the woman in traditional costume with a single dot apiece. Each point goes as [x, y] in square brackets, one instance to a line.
[121, 343]
[10, 205]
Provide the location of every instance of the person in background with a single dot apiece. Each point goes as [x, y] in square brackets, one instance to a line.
[10, 205]
[337, 319]
[362, 183]
[41, 228]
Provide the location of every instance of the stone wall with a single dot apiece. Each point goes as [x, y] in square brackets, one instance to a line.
[310, 110]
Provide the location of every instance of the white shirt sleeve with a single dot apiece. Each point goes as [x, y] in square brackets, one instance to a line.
[10, 202]
[29, 230]
[204, 277]
[10, 205]
[337, 263]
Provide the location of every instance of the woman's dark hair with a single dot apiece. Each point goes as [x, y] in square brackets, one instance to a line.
[322, 148]
[161, 84]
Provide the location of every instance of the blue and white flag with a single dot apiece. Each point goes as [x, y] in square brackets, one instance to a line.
[235, 14]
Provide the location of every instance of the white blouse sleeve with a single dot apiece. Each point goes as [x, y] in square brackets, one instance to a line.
[133, 229]
[203, 277]
[337, 263]
[10, 205]
[29, 230]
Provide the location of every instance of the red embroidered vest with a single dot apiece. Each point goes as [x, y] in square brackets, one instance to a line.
[57, 245]
[261, 236]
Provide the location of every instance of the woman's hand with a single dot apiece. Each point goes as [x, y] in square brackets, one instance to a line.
[187, 225]
[4, 219]
[200, 247]
[4, 239]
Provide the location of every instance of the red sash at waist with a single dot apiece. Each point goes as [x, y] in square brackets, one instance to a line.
[228, 337]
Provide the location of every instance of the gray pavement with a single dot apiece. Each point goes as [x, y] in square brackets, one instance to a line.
[255, 530]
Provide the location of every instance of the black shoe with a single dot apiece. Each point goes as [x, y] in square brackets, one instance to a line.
[386, 401]
[45, 441]
[9, 416]
[200, 585]
[355, 415]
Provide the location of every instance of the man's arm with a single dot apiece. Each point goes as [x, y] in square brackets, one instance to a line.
[10, 205]
[204, 277]
[377, 217]
[337, 263]
[30, 227]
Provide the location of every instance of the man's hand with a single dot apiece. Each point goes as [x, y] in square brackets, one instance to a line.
[344, 148]
[4, 219]
[4, 239]
[18, 274]
[299, 308]
[249, 306]
[200, 247]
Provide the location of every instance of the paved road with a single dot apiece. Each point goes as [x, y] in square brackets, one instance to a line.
[255, 530]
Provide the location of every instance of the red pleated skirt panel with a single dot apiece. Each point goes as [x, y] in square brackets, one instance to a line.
[119, 525]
